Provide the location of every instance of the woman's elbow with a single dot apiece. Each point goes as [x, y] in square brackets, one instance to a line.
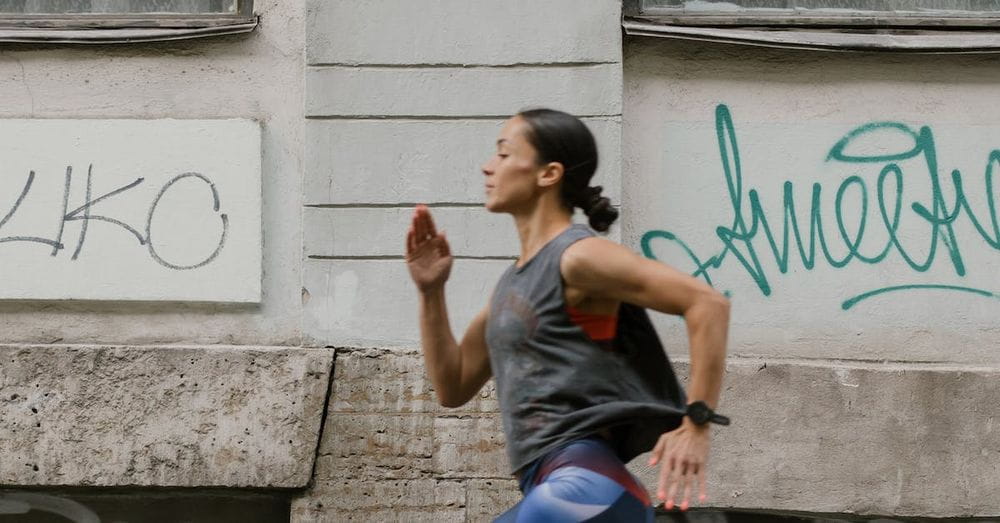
[711, 306]
[450, 401]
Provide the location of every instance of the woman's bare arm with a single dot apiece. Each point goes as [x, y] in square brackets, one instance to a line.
[607, 270]
[457, 370]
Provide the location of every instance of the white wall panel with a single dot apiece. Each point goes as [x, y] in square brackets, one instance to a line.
[373, 303]
[704, 139]
[415, 161]
[131, 210]
[458, 91]
[380, 231]
[464, 31]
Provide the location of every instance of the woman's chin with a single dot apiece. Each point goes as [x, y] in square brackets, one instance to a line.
[492, 205]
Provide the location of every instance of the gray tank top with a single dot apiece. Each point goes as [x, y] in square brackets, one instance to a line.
[555, 384]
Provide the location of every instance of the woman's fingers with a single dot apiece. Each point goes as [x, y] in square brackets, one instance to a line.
[423, 224]
[702, 485]
[688, 484]
[444, 249]
[682, 469]
[663, 482]
[655, 458]
[420, 224]
[411, 241]
[674, 480]
[431, 229]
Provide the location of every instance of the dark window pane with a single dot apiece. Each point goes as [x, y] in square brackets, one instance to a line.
[118, 6]
[185, 506]
[925, 7]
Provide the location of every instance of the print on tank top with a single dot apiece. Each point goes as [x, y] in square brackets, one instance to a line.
[516, 323]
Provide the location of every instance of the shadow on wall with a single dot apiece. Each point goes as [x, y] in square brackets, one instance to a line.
[714, 516]
[159, 507]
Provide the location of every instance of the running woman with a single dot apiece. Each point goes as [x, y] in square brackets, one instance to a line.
[577, 400]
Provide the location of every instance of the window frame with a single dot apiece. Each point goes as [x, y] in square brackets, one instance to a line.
[123, 27]
[772, 18]
[922, 34]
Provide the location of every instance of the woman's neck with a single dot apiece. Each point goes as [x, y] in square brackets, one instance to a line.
[538, 226]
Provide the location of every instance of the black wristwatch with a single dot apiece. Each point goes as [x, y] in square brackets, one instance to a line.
[700, 414]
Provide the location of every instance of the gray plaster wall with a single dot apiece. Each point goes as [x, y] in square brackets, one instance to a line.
[883, 408]
[370, 107]
[255, 76]
[125, 394]
[398, 114]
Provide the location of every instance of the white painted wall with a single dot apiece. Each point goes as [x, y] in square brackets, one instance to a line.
[399, 114]
[788, 110]
[108, 210]
[260, 77]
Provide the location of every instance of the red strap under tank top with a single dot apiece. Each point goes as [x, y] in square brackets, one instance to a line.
[599, 327]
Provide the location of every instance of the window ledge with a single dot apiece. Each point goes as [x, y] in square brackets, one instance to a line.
[119, 35]
[844, 39]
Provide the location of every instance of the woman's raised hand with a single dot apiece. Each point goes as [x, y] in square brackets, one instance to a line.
[427, 254]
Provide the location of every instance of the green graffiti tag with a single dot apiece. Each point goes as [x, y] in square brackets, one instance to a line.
[939, 215]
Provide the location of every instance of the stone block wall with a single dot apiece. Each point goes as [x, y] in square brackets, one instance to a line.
[391, 453]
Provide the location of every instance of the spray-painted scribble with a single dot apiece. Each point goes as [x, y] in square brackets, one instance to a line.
[938, 216]
[84, 213]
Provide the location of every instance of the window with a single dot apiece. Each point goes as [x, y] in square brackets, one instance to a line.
[121, 20]
[919, 25]
[974, 13]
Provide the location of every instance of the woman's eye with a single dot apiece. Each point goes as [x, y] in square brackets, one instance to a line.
[502, 155]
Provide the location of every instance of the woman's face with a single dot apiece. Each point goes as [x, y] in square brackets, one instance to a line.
[512, 173]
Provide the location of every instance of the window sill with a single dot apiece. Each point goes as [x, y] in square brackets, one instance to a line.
[842, 39]
[69, 34]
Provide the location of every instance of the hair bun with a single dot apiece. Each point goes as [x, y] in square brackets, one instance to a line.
[598, 209]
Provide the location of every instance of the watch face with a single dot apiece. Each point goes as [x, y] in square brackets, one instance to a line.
[698, 412]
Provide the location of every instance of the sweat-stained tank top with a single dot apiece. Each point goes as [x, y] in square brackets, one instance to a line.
[555, 384]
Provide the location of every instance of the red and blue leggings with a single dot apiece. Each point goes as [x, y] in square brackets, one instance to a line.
[581, 481]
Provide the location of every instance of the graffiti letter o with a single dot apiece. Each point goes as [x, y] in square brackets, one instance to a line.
[152, 211]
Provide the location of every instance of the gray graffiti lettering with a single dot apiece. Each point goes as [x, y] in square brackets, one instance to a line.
[215, 207]
[17, 204]
[85, 215]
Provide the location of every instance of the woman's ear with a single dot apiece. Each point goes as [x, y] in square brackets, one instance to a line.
[551, 174]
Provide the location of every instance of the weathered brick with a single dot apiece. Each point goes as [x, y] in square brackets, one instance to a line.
[390, 382]
[425, 500]
[471, 447]
[376, 446]
[409, 446]
[488, 498]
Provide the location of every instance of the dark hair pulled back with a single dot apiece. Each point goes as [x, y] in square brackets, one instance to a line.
[563, 138]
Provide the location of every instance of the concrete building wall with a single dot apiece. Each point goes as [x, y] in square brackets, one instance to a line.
[126, 394]
[403, 104]
[256, 76]
[873, 405]
[857, 382]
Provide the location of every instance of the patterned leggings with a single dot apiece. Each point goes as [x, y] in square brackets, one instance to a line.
[581, 481]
